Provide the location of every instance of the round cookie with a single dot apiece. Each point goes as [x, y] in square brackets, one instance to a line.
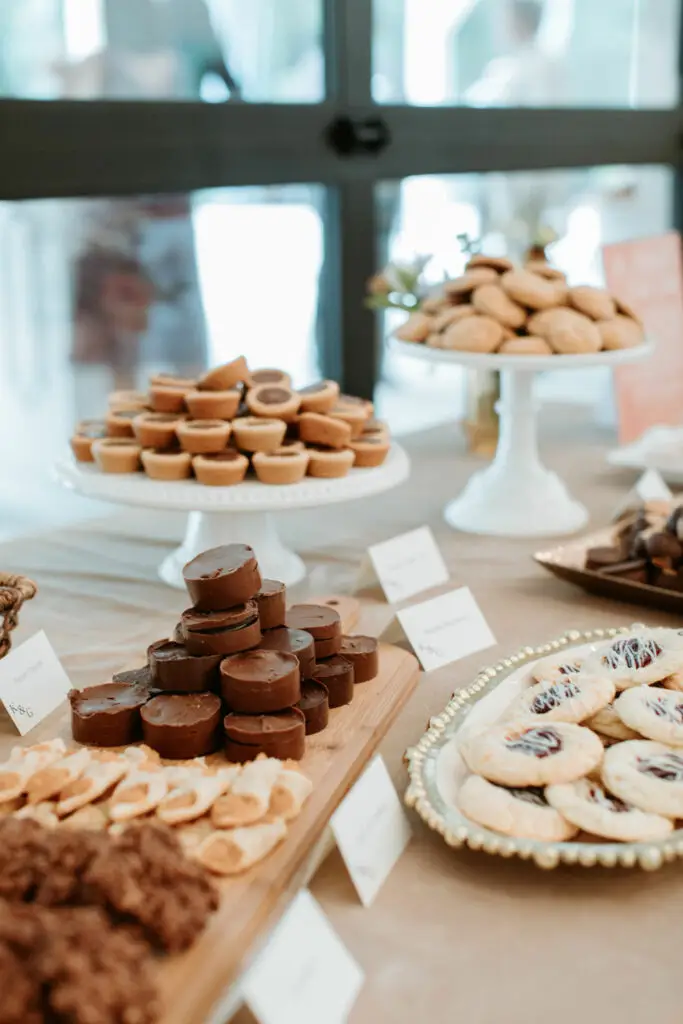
[527, 345]
[491, 300]
[646, 774]
[452, 315]
[555, 667]
[474, 334]
[467, 282]
[607, 723]
[571, 333]
[572, 699]
[527, 754]
[498, 263]
[620, 332]
[520, 812]
[283, 466]
[594, 302]
[543, 269]
[588, 806]
[634, 659]
[416, 328]
[529, 289]
[654, 713]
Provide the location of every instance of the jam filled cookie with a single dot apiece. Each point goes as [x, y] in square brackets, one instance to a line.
[522, 812]
[167, 398]
[621, 332]
[531, 290]
[253, 434]
[269, 376]
[201, 436]
[369, 451]
[475, 334]
[491, 300]
[224, 377]
[166, 464]
[320, 397]
[590, 807]
[120, 422]
[654, 713]
[82, 441]
[282, 466]
[273, 400]
[330, 463]
[635, 659]
[331, 432]
[213, 405]
[594, 302]
[117, 454]
[647, 774]
[608, 723]
[157, 429]
[572, 699]
[220, 469]
[524, 754]
[548, 670]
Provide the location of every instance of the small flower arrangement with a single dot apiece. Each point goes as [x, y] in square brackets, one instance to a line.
[401, 285]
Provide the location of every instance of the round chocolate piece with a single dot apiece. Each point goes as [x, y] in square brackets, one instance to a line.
[321, 621]
[363, 653]
[292, 641]
[107, 715]
[327, 648]
[281, 734]
[601, 557]
[137, 676]
[260, 681]
[222, 577]
[337, 675]
[663, 545]
[315, 706]
[175, 670]
[182, 725]
[227, 632]
[271, 600]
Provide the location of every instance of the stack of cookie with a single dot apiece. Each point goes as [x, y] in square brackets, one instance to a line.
[231, 422]
[497, 307]
[594, 744]
[647, 547]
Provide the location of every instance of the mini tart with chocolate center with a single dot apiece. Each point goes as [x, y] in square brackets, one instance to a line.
[119, 401]
[258, 435]
[316, 428]
[269, 376]
[166, 463]
[355, 414]
[329, 462]
[369, 451]
[201, 436]
[172, 380]
[220, 469]
[82, 441]
[120, 422]
[374, 429]
[156, 429]
[283, 466]
[168, 397]
[273, 400]
[117, 454]
[320, 397]
[213, 405]
[224, 377]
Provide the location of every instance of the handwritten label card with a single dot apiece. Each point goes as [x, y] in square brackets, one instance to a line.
[408, 564]
[651, 487]
[446, 628]
[32, 682]
[371, 830]
[305, 974]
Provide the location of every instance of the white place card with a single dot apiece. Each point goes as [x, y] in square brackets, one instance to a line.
[651, 487]
[371, 830]
[446, 628]
[408, 564]
[305, 974]
[32, 682]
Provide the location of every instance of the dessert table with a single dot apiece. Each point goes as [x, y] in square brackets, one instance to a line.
[452, 934]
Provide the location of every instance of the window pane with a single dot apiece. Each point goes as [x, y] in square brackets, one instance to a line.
[98, 294]
[260, 51]
[526, 53]
[584, 209]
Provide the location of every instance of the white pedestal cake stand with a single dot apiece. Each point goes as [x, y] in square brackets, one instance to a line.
[516, 496]
[244, 513]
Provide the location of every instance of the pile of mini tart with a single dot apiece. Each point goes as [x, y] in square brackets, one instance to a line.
[231, 422]
[495, 306]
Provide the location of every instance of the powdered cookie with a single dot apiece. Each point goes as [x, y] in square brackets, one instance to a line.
[594, 302]
[315, 428]
[524, 754]
[621, 332]
[635, 659]
[654, 713]
[607, 723]
[273, 400]
[647, 774]
[498, 263]
[327, 462]
[283, 466]
[467, 282]
[572, 699]
[591, 808]
[253, 434]
[416, 328]
[527, 345]
[491, 300]
[524, 813]
[475, 334]
[528, 289]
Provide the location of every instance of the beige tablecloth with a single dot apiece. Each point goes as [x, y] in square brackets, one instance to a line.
[452, 936]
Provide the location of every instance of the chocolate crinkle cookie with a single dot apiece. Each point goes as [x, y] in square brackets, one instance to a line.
[41, 866]
[144, 878]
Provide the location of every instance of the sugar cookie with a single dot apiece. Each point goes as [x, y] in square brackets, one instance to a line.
[647, 774]
[572, 699]
[608, 723]
[526, 754]
[491, 300]
[620, 332]
[654, 713]
[416, 328]
[526, 345]
[587, 805]
[520, 812]
[634, 659]
[594, 302]
[474, 334]
[532, 290]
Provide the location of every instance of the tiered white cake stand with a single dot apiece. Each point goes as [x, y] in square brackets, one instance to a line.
[516, 496]
[245, 513]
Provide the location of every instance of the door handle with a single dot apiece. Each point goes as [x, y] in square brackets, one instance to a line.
[348, 136]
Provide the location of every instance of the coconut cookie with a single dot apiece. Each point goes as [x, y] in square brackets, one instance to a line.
[588, 806]
[526, 754]
[647, 774]
[635, 659]
[654, 713]
[607, 723]
[571, 699]
[524, 813]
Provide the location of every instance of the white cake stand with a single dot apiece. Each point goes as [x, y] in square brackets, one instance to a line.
[516, 496]
[244, 513]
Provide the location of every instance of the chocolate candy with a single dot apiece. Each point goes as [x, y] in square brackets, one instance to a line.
[362, 652]
[292, 641]
[603, 557]
[107, 715]
[322, 622]
[337, 674]
[271, 600]
[175, 670]
[137, 676]
[282, 734]
[315, 706]
[635, 570]
[663, 545]
[260, 681]
[182, 725]
[222, 577]
[226, 632]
